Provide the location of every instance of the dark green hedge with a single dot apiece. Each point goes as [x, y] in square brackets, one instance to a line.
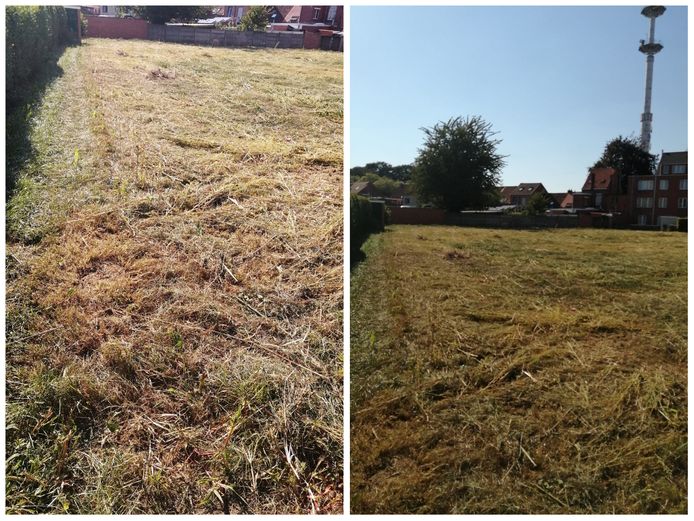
[365, 218]
[33, 34]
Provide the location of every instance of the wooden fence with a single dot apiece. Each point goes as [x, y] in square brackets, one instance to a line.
[222, 38]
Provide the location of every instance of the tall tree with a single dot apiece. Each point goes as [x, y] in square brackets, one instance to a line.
[161, 14]
[626, 156]
[458, 166]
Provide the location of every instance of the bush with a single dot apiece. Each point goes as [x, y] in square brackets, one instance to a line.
[365, 218]
[32, 35]
[255, 19]
[537, 205]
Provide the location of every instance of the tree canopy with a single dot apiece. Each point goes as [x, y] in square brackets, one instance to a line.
[537, 204]
[255, 19]
[625, 155]
[402, 173]
[161, 14]
[458, 166]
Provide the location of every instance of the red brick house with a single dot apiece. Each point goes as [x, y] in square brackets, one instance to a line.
[519, 195]
[235, 12]
[661, 195]
[363, 188]
[555, 199]
[603, 188]
[330, 15]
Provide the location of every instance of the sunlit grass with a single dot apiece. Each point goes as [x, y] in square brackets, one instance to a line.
[503, 371]
[175, 285]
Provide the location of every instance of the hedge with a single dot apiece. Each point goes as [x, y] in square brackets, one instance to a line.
[32, 35]
[365, 218]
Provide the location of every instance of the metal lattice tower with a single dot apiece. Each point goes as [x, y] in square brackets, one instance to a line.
[650, 49]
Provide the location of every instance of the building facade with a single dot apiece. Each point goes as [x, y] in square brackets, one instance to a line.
[653, 197]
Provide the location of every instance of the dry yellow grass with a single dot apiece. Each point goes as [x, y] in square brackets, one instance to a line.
[519, 372]
[174, 285]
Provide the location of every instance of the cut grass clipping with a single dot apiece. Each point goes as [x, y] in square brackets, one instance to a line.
[174, 285]
[519, 372]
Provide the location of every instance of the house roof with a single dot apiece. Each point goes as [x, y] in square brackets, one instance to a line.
[522, 189]
[674, 158]
[567, 200]
[289, 11]
[557, 196]
[599, 178]
[360, 186]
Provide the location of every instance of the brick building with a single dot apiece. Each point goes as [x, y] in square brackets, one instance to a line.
[330, 16]
[521, 194]
[661, 195]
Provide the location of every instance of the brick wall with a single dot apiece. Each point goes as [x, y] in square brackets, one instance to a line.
[106, 27]
[416, 215]
[312, 40]
[490, 220]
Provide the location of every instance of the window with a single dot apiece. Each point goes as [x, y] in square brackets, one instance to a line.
[104, 9]
[229, 12]
[645, 184]
[598, 200]
[332, 10]
[662, 202]
[663, 184]
[643, 219]
[683, 184]
[644, 202]
[316, 13]
[682, 202]
[678, 169]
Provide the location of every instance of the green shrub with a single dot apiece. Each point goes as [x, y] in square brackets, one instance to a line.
[365, 218]
[32, 35]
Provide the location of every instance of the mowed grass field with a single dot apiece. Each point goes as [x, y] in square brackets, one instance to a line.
[174, 285]
[497, 371]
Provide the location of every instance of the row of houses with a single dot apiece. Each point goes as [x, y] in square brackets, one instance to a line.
[609, 198]
[281, 17]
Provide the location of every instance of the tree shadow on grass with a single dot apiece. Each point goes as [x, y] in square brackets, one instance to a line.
[20, 106]
[358, 256]
[355, 258]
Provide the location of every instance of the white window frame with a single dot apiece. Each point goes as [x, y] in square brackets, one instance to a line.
[663, 184]
[683, 184]
[316, 13]
[682, 203]
[598, 199]
[332, 13]
[662, 202]
[644, 184]
[642, 219]
[678, 169]
[644, 202]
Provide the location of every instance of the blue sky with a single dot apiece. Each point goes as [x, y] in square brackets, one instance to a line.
[557, 83]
